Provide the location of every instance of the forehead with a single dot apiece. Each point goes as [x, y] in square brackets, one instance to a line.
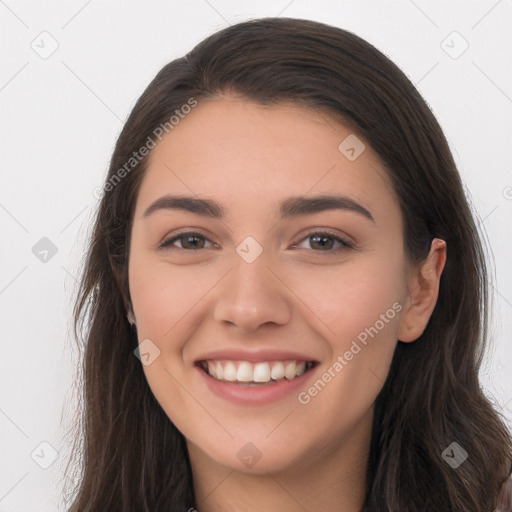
[236, 149]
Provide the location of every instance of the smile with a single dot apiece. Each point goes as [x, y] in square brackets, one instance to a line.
[255, 373]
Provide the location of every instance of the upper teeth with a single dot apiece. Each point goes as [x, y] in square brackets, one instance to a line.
[244, 371]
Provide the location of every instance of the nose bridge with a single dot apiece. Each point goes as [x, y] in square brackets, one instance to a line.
[250, 295]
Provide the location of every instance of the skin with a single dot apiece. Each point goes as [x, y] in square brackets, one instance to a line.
[294, 296]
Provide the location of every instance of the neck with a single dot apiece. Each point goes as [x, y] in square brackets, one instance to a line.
[332, 479]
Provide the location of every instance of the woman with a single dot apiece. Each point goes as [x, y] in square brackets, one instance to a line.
[284, 243]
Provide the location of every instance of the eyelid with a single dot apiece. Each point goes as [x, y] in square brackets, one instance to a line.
[346, 241]
[166, 243]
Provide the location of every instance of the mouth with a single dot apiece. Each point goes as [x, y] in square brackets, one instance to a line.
[261, 373]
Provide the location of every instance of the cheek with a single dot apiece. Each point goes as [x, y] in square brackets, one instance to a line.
[342, 302]
[350, 300]
[164, 301]
[362, 308]
[162, 296]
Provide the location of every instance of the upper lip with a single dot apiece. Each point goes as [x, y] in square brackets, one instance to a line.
[254, 356]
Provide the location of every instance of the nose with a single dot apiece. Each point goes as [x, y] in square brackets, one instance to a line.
[251, 296]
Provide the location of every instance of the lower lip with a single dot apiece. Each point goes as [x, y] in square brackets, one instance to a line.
[254, 395]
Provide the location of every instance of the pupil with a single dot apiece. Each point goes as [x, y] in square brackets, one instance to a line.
[193, 245]
[315, 239]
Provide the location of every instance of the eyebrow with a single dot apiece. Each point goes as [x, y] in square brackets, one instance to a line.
[290, 207]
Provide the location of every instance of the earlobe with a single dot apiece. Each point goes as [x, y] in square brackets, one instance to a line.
[131, 318]
[120, 281]
[423, 293]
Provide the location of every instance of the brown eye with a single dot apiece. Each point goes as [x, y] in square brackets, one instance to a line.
[326, 242]
[189, 241]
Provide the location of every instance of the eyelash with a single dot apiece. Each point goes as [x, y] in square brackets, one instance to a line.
[167, 244]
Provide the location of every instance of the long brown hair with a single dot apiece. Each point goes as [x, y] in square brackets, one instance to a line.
[131, 455]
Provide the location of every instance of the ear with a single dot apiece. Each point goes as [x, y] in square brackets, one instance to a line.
[423, 285]
[120, 279]
[130, 316]
[129, 310]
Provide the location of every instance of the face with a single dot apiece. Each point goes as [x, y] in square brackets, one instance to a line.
[270, 315]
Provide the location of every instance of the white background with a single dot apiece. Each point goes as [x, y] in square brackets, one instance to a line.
[59, 119]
